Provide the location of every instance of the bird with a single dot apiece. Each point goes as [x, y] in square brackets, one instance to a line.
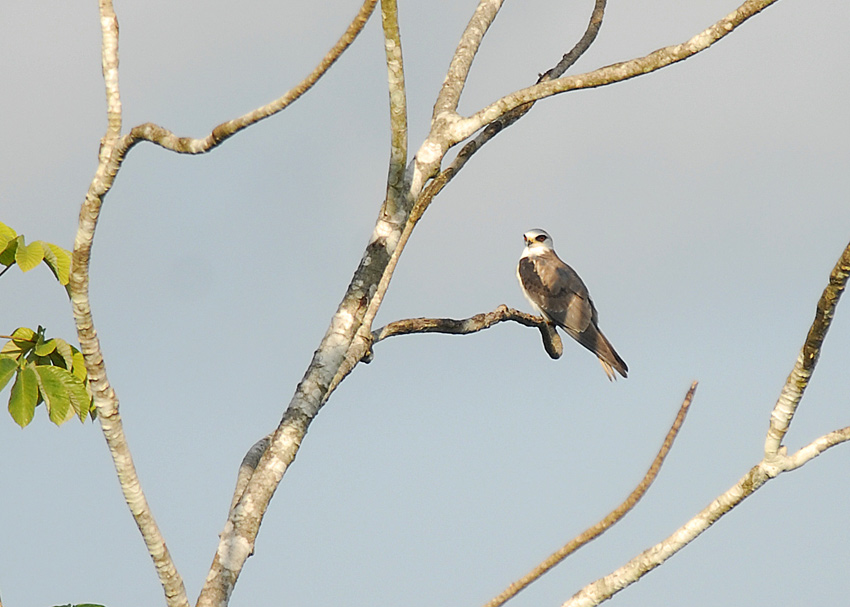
[557, 293]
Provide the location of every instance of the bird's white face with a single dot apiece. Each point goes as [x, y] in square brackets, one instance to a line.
[537, 241]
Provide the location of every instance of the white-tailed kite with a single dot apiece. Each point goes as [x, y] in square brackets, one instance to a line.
[559, 295]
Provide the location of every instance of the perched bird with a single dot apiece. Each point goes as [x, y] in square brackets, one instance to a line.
[559, 295]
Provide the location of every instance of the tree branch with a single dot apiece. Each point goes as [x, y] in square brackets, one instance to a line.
[105, 399]
[618, 72]
[497, 126]
[795, 385]
[348, 338]
[470, 41]
[473, 324]
[611, 519]
[398, 106]
[774, 463]
[188, 145]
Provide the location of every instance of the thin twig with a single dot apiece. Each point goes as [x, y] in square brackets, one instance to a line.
[610, 520]
[188, 145]
[798, 379]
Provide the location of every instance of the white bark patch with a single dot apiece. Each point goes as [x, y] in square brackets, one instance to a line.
[429, 153]
[233, 552]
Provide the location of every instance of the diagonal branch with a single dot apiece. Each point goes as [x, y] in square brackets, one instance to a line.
[604, 588]
[795, 385]
[467, 48]
[188, 145]
[611, 519]
[611, 74]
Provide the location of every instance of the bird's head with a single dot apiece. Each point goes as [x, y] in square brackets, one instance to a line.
[537, 240]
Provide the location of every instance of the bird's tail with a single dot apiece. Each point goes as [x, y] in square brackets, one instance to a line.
[593, 339]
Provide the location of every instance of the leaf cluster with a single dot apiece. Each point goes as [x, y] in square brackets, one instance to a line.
[49, 371]
[14, 250]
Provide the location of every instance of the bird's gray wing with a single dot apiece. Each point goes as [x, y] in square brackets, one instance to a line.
[558, 291]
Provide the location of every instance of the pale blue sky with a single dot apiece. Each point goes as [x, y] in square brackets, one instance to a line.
[704, 206]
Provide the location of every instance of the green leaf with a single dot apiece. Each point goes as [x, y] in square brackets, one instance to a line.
[63, 349]
[23, 340]
[81, 398]
[54, 393]
[24, 396]
[7, 252]
[6, 233]
[28, 256]
[43, 348]
[79, 368]
[24, 334]
[8, 366]
[58, 260]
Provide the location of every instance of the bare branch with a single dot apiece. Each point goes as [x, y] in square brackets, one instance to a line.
[247, 467]
[398, 107]
[816, 447]
[467, 48]
[774, 463]
[497, 126]
[611, 519]
[618, 72]
[348, 338]
[795, 385]
[569, 59]
[105, 399]
[473, 324]
[188, 145]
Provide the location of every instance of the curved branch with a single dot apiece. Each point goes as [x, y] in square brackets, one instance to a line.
[611, 519]
[611, 74]
[795, 385]
[105, 399]
[188, 145]
[473, 324]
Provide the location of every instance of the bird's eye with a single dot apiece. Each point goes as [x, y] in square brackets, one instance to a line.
[541, 238]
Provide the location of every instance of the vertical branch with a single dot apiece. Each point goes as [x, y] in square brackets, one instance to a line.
[795, 385]
[105, 398]
[398, 107]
